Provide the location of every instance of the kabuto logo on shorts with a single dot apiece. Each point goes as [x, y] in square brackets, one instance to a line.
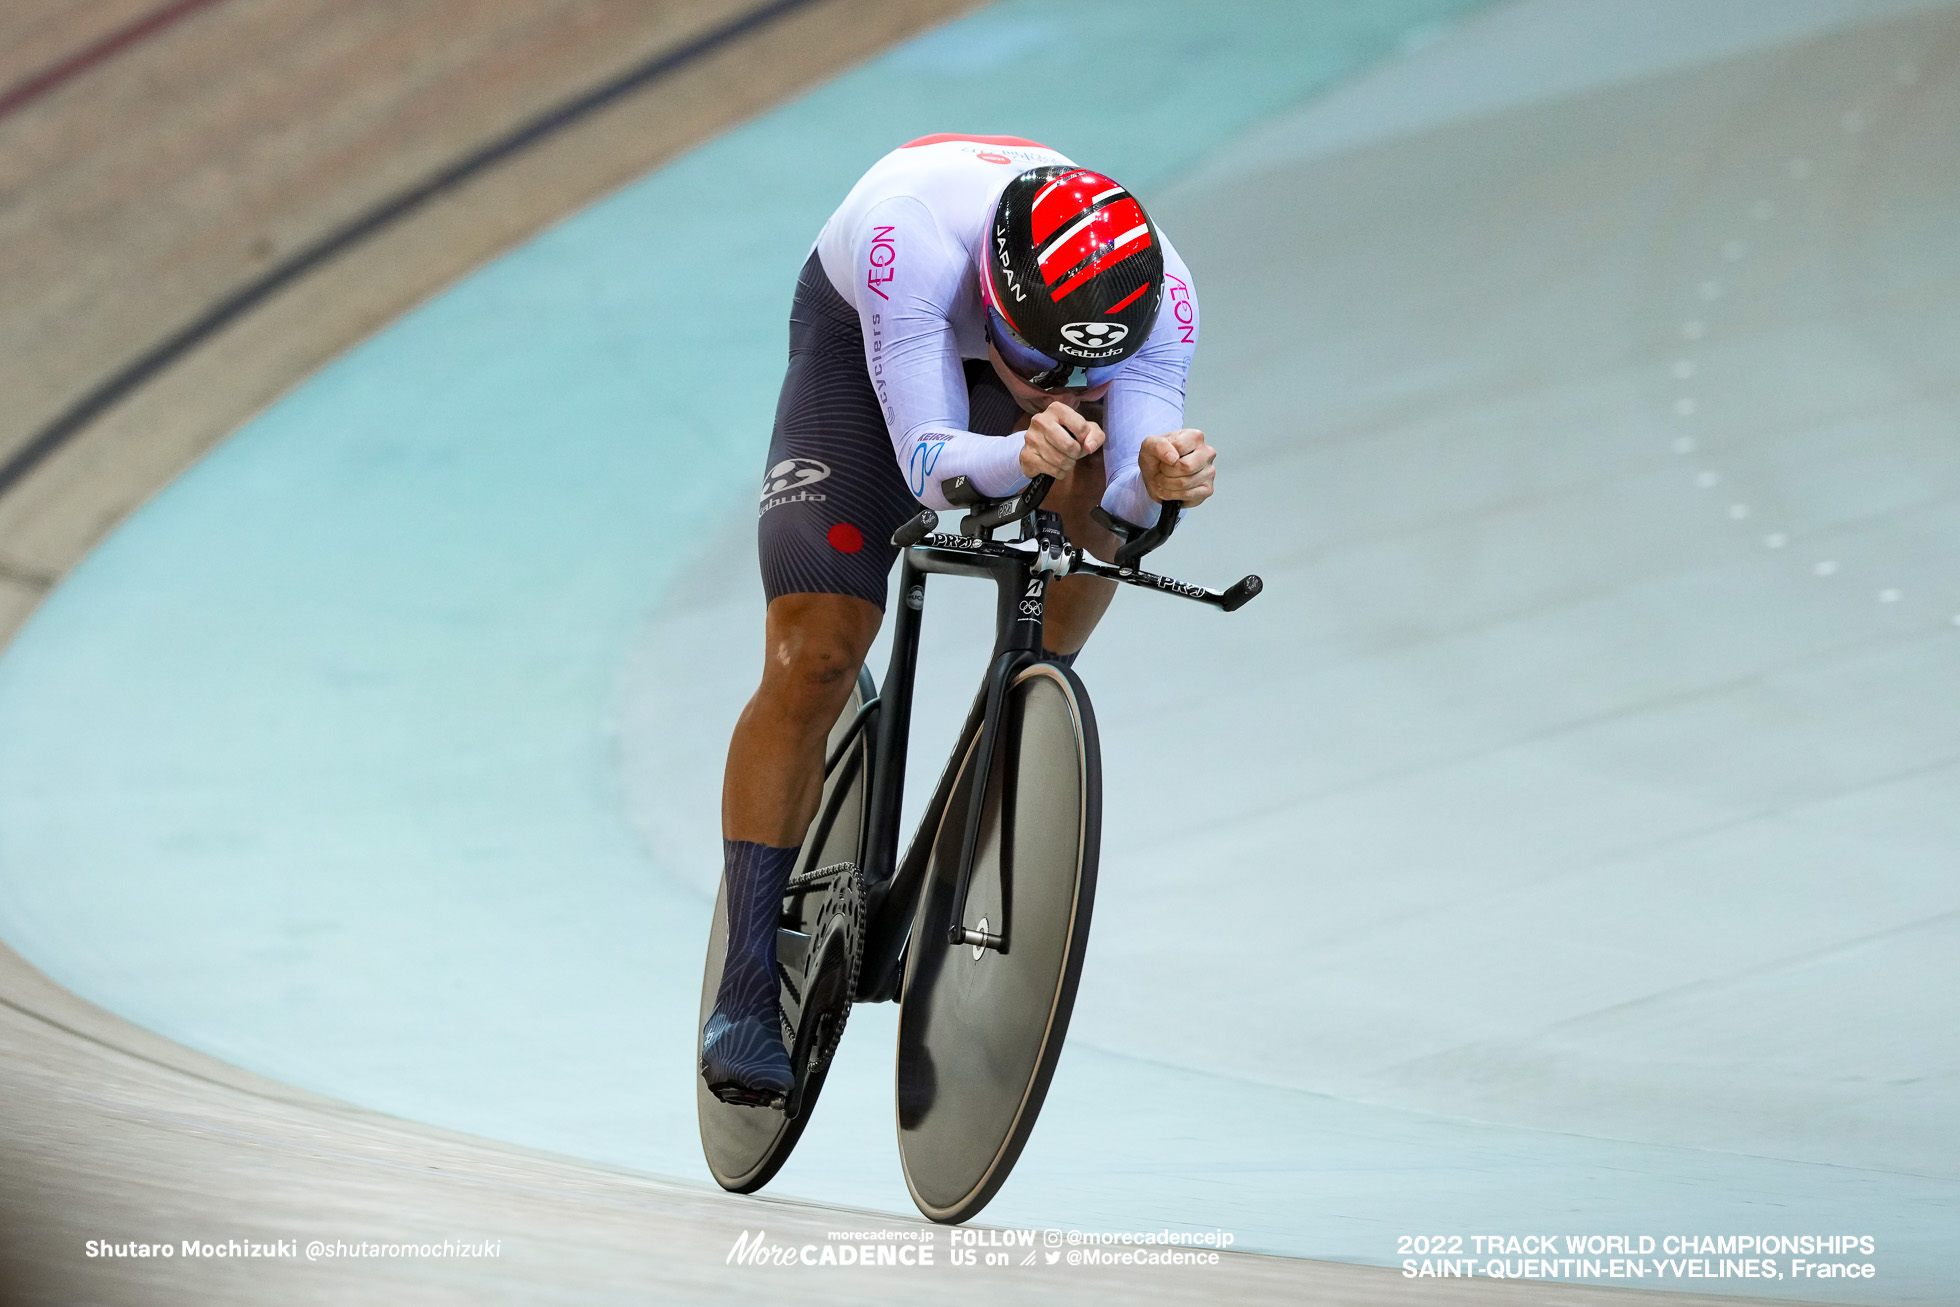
[788, 482]
[1094, 335]
[791, 473]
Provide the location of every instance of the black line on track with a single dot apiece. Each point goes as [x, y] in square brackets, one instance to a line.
[49, 79]
[127, 379]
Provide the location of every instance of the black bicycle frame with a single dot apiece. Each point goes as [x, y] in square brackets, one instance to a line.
[1020, 611]
[1021, 577]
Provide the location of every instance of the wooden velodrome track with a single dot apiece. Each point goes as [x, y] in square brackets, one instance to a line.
[201, 202]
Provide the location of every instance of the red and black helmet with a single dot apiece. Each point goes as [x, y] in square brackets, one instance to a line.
[1075, 272]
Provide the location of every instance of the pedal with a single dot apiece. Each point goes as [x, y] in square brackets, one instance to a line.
[741, 1096]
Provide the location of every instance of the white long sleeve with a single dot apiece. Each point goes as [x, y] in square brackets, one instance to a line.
[914, 358]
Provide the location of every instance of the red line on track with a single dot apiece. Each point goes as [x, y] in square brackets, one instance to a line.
[39, 84]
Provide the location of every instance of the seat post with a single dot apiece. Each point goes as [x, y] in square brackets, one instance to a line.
[894, 726]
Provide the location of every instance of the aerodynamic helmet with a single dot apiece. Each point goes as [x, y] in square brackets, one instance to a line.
[1075, 273]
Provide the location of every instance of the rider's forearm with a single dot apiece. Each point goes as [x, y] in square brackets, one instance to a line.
[1146, 400]
[934, 453]
[1128, 499]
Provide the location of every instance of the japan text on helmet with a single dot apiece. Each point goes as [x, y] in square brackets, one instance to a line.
[1075, 272]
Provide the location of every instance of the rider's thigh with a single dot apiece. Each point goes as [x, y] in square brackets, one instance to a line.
[832, 494]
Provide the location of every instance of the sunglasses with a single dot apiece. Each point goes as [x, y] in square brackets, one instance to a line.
[1052, 375]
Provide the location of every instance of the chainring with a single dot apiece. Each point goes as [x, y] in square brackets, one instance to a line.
[836, 931]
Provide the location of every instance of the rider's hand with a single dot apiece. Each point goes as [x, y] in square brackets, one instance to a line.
[1176, 466]
[1056, 437]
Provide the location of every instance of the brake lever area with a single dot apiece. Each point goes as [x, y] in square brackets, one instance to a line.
[1138, 541]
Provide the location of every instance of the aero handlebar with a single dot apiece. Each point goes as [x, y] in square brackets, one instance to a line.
[985, 516]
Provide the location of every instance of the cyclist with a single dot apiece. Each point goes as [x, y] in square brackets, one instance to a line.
[981, 307]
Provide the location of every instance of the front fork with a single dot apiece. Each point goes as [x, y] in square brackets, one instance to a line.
[1023, 609]
[1006, 664]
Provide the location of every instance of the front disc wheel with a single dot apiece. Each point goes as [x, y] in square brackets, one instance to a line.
[981, 1028]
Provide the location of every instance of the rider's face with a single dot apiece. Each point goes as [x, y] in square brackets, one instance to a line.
[1037, 401]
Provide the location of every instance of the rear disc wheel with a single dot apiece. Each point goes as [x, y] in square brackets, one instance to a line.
[819, 945]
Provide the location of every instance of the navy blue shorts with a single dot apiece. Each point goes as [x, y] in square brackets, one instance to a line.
[833, 493]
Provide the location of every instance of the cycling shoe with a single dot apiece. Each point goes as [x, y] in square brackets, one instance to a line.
[744, 1061]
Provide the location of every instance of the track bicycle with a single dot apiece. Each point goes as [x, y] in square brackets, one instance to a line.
[979, 929]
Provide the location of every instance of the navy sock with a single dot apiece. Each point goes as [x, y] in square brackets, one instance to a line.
[755, 875]
[1066, 660]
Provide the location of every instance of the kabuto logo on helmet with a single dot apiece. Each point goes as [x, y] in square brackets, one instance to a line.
[1076, 266]
[1094, 335]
